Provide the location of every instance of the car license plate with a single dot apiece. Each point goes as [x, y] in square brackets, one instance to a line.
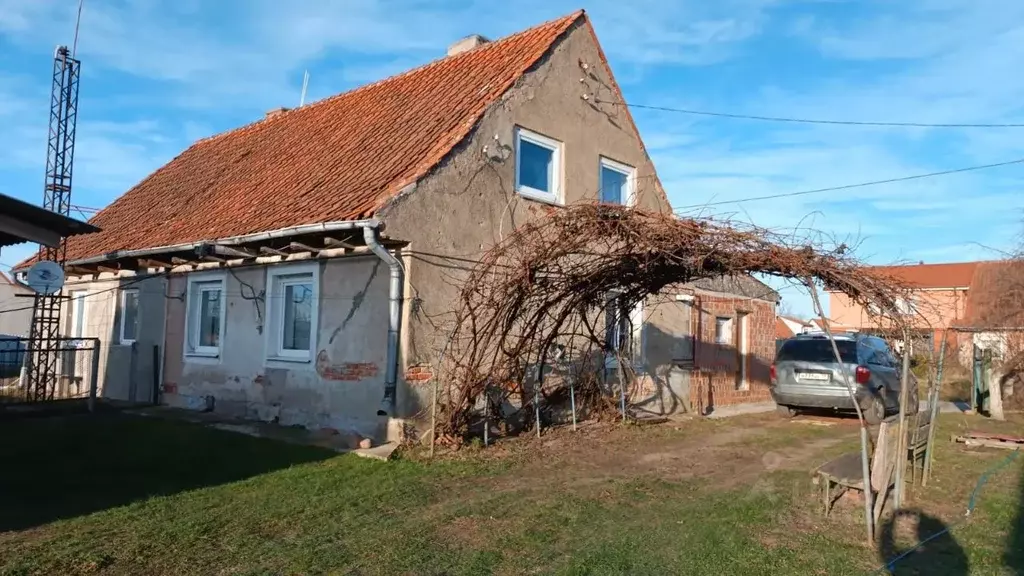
[814, 376]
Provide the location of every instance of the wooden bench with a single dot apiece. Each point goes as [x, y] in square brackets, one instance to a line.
[838, 477]
[844, 473]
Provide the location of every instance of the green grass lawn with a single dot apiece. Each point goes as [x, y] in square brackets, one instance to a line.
[116, 494]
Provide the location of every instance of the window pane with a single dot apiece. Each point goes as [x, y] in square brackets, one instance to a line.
[77, 314]
[723, 330]
[536, 166]
[817, 350]
[130, 315]
[209, 318]
[298, 311]
[614, 186]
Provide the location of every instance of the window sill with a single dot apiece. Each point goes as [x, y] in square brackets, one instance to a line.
[200, 358]
[539, 196]
[289, 360]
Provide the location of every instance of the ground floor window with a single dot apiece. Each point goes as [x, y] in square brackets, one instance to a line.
[292, 296]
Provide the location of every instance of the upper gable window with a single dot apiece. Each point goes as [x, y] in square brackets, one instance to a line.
[538, 166]
[617, 182]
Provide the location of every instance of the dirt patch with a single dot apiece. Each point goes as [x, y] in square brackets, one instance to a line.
[726, 453]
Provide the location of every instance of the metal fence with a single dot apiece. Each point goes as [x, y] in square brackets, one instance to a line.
[74, 375]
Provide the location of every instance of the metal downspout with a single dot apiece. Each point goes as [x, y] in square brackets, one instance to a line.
[388, 403]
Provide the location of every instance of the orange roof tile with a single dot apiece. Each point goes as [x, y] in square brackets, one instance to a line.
[953, 275]
[996, 296]
[782, 330]
[337, 159]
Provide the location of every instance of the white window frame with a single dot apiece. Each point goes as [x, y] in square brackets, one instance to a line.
[275, 313]
[725, 335]
[626, 170]
[743, 350]
[77, 303]
[138, 309]
[197, 284]
[555, 195]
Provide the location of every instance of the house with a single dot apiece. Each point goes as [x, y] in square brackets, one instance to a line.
[303, 269]
[941, 301]
[15, 308]
[993, 315]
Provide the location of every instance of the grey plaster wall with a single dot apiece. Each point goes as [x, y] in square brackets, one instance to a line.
[469, 203]
[126, 371]
[340, 388]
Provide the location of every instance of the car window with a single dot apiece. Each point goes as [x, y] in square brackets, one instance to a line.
[816, 350]
[884, 355]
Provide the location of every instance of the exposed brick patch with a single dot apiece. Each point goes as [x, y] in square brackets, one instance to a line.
[345, 371]
[715, 378]
[350, 371]
[170, 388]
[419, 373]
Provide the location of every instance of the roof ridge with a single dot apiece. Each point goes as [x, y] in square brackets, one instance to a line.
[422, 67]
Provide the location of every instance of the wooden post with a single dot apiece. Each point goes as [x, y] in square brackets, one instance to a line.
[869, 517]
[934, 411]
[901, 437]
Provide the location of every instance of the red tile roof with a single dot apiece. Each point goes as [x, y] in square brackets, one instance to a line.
[337, 159]
[954, 275]
[996, 296]
[782, 330]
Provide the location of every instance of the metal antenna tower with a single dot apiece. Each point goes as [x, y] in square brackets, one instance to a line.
[60, 154]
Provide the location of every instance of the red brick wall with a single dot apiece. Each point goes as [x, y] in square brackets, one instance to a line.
[715, 376]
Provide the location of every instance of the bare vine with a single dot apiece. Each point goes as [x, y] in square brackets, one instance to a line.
[539, 296]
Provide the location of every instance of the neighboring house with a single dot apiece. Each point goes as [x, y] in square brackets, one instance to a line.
[939, 297]
[789, 326]
[303, 267]
[945, 297]
[15, 308]
[993, 315]
[816, 325]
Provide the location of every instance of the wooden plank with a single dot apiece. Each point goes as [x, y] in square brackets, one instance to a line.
[336, 243]
[985, 436]
[232, 252]
[884, 458]
[991, 444]
[272, 251]
[152, 263]
[300, 247]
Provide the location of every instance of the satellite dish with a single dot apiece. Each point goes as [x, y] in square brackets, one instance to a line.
[45, 277]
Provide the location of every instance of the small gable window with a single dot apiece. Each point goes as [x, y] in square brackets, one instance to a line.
[538, 166]
[617, 182]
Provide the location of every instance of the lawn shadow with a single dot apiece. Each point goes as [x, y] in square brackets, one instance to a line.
[67, 466]
[940, 554]
[1014, 557]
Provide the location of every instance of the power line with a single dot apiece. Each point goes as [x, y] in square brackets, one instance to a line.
[809, 120]
[89, 295]
[858, 185]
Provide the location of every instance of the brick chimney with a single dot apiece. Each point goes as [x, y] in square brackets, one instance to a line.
[275, 112]
[466, 44]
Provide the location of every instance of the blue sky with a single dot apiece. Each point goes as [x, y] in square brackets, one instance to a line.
[157, 75]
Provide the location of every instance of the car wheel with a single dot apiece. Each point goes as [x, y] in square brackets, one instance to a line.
[875, 413]
[785, 411]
